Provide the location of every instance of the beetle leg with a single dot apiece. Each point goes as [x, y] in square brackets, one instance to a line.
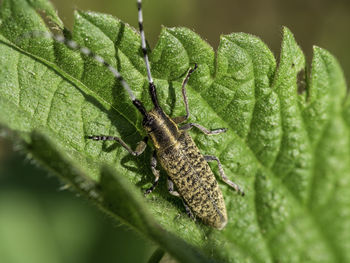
[189, 126]
[155, 173]
[181, 119]
[188, 211]
[141, 146]
[209, 158]
[171, 188]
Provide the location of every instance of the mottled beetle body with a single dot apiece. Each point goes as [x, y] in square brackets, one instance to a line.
[177, 153]
[187, 169]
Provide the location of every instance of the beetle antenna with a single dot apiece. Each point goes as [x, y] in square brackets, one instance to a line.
[152, 87]
[89, 53]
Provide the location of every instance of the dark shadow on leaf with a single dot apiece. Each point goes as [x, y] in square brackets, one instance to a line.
[117, 44]
[110, 148]
[123, 126]
[129, 158]
[171, 100]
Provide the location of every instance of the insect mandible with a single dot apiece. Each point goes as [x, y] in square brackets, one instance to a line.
[186, 167]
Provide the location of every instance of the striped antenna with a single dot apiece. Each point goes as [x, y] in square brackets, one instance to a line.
[152, 88]
[87, 52]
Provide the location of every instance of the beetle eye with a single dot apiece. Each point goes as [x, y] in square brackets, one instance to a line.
[148, 121]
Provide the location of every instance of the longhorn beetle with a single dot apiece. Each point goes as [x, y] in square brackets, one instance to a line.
[186, 167]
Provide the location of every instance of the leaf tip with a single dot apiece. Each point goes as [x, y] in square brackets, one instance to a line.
[286, 30]
[326, 56]
[321, 51]
[287, 33]
[78, 13]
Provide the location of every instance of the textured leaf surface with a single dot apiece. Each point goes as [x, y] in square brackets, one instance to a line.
[287, 143]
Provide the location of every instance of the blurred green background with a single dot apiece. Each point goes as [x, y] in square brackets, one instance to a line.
[40, 223]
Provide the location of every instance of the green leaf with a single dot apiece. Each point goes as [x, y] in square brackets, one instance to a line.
[287, 143]
[114, 195]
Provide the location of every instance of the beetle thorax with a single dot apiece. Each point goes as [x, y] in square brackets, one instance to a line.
[162, 130]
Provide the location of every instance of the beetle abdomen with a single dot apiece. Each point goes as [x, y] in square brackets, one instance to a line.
[194, 180]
